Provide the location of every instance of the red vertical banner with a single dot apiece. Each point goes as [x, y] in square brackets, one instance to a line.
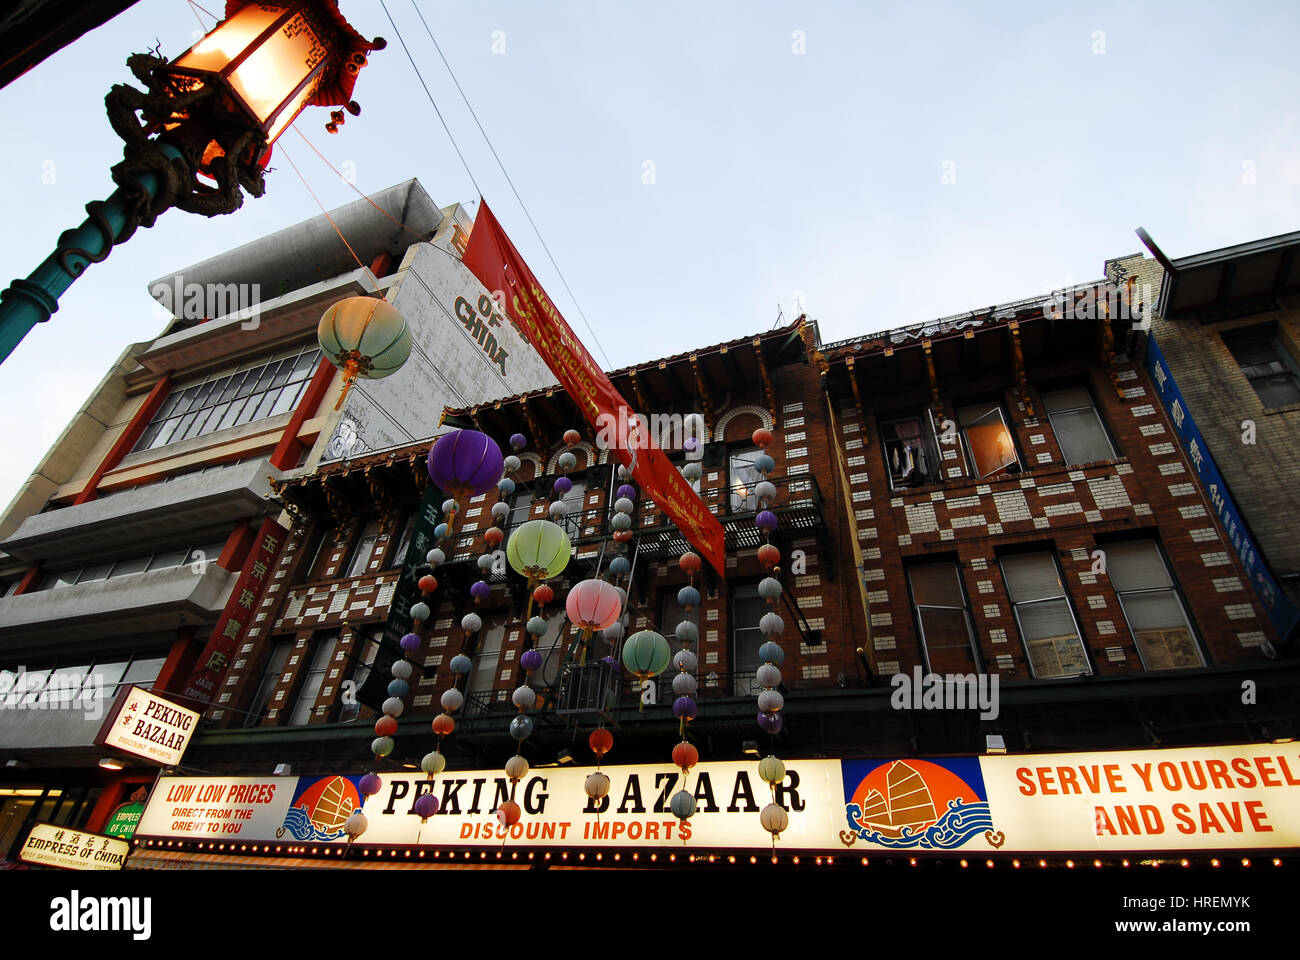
[239, 613]
[493, 259]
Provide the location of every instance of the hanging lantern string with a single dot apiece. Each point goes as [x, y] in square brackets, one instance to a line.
[365, 271]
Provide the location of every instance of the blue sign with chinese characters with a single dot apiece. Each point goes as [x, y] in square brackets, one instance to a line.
[1281, 611]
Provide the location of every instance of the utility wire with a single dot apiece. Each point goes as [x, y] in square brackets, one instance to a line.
[513, 190]
[420, 77]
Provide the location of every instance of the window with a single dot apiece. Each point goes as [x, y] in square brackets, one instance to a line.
[483, 674]
[398, 556]
[364, 549]
[1151, 605]
[576, 501]
[1077, 426]
[270, 678]
[312, 682]
[910, 453]
[521, 506]
[742, 478]
[946, 635]
[747, 609]
[987, 438]
[1043, 613]
[208, 552]
[552, 645]
[1266, 364]
[258, 389]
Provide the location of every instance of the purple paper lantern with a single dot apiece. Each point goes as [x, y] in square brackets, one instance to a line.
[770, 722]
[766, 521]
[685, 707]
[370, 784]
[465, 463]
[480, 590]
[691, 444]
[518, 441]
[426, 806]
[410, 642]
[531, 660]
[563, 485]
[627, 490]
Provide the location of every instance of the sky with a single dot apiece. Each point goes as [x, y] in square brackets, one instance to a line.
[697, 167]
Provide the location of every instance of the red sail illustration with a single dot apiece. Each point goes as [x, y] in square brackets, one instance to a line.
[907, 804]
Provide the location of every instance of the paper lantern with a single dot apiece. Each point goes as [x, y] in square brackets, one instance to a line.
[426, 806]
[363, 337]
[646, 654]
[601, 741]
[538, 549]
[774, 819]
[465, 462]
[685, 755]
[593, 604]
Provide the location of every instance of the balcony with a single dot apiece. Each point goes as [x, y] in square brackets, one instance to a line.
[144, 602]
[141, 515]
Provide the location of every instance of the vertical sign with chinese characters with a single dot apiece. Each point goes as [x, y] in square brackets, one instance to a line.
[374, 691]
[1281, 611]
[239, 613]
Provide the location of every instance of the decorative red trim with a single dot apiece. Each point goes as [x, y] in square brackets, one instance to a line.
[289, 448]
[128, 438]
[235, 551]
[114, 795]
[28, 582]
[179, 662]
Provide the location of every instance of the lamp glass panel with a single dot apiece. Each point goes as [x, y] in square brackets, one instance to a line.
[230, 37]
[274, 69]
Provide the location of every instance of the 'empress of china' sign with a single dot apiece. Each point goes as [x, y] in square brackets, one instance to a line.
[53, 846]
[1212, 798]
[148, 726]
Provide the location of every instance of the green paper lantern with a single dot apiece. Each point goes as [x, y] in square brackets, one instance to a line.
[538, 549]
[646, 654]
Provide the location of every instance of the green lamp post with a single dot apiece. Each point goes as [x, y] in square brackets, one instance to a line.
[202, 132]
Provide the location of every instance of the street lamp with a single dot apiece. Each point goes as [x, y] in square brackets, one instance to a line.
[202, 132]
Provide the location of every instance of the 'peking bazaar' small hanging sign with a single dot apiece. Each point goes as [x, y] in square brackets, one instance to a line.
[1214, 798]
[493, 259]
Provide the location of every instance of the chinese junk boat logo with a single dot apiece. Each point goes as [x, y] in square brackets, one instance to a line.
[927, 804]
[320, 808]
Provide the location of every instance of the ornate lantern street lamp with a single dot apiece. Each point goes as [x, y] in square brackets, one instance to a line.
[202, 132]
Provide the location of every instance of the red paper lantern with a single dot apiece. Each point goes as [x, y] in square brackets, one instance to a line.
[689, 562]
[593, 604]
[493, 536]
[601, 741]
[385, 726]
[762, 437]
[769, 556]
[622, 536]
[428, 583]
[543, 594]
[685, 755]
[508, 813]
[443, 725]
[571, 437]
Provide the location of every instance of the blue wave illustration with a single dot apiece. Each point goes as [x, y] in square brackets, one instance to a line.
[299, 824]
[961, 822]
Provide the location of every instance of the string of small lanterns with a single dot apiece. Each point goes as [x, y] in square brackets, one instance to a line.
[771, 770]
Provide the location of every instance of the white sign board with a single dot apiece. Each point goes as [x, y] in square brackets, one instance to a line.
[53, 846]
[149, 726]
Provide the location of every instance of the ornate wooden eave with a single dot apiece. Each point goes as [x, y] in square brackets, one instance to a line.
[643, 405]
[857, 395]
[935, 400]
[764, 377]
[1108, 346]
[1018, 363]
[706, 401]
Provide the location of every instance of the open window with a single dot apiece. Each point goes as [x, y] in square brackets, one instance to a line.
[989, 444]
[911, 455]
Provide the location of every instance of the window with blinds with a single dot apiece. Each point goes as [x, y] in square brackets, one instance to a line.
[256, 390]
[1160, 626]
[947, 639]
[1048, 629]
[1077, 425]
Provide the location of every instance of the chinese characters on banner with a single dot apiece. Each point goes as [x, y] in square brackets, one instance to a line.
[1281, 611]
[239, 613]
[498, 265]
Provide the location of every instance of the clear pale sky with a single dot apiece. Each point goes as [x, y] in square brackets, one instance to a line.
[774, 170]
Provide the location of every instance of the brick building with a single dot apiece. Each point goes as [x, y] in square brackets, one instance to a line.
[1228, 324]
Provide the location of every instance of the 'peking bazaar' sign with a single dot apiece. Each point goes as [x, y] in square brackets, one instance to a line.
[493, 259]
[238, 614]
[1212, 798]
